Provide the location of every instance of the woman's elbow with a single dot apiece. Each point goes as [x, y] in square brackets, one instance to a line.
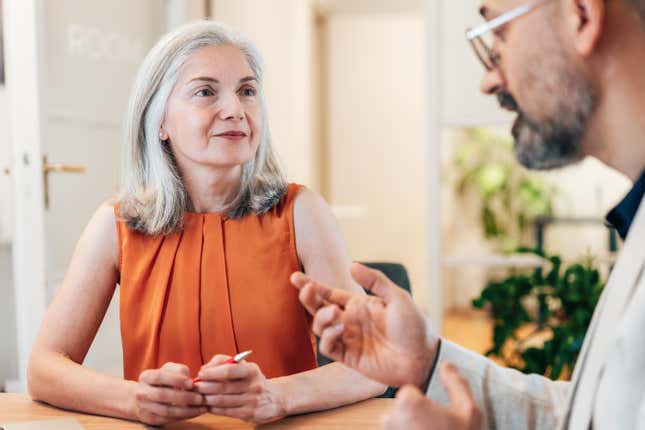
[36, 371]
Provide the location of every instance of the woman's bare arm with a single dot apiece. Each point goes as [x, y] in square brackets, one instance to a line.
[324, 256]
[56, 374]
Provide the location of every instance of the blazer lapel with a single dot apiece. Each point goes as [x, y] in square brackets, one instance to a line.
[614, 300]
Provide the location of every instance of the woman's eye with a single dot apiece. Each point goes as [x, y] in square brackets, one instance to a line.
[248, 91]
[205, 92]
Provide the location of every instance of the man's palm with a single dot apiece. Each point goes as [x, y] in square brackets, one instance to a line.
[382, 337]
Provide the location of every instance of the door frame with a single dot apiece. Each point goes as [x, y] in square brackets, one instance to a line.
[25, 83]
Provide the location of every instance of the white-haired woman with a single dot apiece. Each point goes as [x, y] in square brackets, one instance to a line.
[202, 241]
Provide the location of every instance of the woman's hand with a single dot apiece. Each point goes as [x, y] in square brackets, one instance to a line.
[165, 395]
[240, 391]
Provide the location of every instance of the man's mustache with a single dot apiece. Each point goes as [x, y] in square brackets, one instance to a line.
[506, 101]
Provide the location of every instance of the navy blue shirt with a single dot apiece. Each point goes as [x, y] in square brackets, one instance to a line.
[623, 214]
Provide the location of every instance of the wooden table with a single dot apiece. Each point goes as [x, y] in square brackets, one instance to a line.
[364, 415]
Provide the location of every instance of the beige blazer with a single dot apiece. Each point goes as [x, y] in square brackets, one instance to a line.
[608, 383]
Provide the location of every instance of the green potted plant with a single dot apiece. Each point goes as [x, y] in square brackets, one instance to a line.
[509, 195]
[539, 319]
[566, 297]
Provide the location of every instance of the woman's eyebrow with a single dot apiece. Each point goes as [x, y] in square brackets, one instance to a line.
[248, 78]
[205, 79]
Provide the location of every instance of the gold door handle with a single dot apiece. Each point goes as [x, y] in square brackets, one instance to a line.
[63, 168]
[58, 168]
[49, 168]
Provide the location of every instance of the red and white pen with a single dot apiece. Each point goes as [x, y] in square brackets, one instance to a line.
[239, 357]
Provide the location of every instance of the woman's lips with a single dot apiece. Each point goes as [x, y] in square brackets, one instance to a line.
[232, 135]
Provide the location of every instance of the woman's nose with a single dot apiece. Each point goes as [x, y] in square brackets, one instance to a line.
[231, 108]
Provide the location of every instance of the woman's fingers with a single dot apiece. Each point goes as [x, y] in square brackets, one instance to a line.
[180, 369]
[228, 372]
[231, 387]
[232, 400]
[166, 378]
[171, 396]
[217, 360]
[242, 412]
[172, 411]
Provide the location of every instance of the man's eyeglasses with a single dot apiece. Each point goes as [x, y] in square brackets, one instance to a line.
[481, 38]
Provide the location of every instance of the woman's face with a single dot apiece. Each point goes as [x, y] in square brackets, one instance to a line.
[213, 116]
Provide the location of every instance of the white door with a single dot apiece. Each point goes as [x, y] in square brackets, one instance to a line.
[70, 67]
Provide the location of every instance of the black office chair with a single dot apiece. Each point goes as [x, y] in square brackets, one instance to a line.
[396, 273]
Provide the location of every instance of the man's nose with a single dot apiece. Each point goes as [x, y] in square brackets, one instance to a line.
[492, 81]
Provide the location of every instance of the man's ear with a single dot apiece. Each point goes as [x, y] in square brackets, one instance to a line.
[585, 21]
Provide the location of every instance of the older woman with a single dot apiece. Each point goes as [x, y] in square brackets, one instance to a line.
[202, 241]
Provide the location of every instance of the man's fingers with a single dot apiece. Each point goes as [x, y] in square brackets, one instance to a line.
[412, 410]
[374, 281]
[299, 279]
[332, 295]
[314, 296]
[409, 396]
[310, 299]
[331, 343]
[458, 390]
[329, 315]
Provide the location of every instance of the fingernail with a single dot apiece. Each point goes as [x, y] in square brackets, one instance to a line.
[339, 327]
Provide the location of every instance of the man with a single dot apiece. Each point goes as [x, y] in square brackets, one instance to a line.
[574, 72]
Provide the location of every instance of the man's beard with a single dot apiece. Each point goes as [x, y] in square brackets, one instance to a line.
[555, 140]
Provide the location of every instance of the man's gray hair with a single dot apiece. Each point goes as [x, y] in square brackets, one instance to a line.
[153, 199]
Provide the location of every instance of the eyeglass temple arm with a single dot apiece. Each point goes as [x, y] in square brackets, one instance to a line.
[500, 20]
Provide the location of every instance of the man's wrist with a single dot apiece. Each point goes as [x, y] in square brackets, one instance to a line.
[426, 381]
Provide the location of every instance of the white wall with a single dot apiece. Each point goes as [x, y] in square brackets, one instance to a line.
[462, 104]
[587, 190]
[282, 31]
[5, 162]
[348, 114]
[89, 57]
[376, 137]
[8, 358]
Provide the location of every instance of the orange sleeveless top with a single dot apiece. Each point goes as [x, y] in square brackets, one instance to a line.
[219, 286]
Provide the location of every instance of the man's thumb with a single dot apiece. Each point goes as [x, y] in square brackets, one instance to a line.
[374, 281]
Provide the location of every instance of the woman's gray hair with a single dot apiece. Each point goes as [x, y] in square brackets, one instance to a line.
[154, 200]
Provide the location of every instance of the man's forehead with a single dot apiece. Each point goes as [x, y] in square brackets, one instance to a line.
[492, 8]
